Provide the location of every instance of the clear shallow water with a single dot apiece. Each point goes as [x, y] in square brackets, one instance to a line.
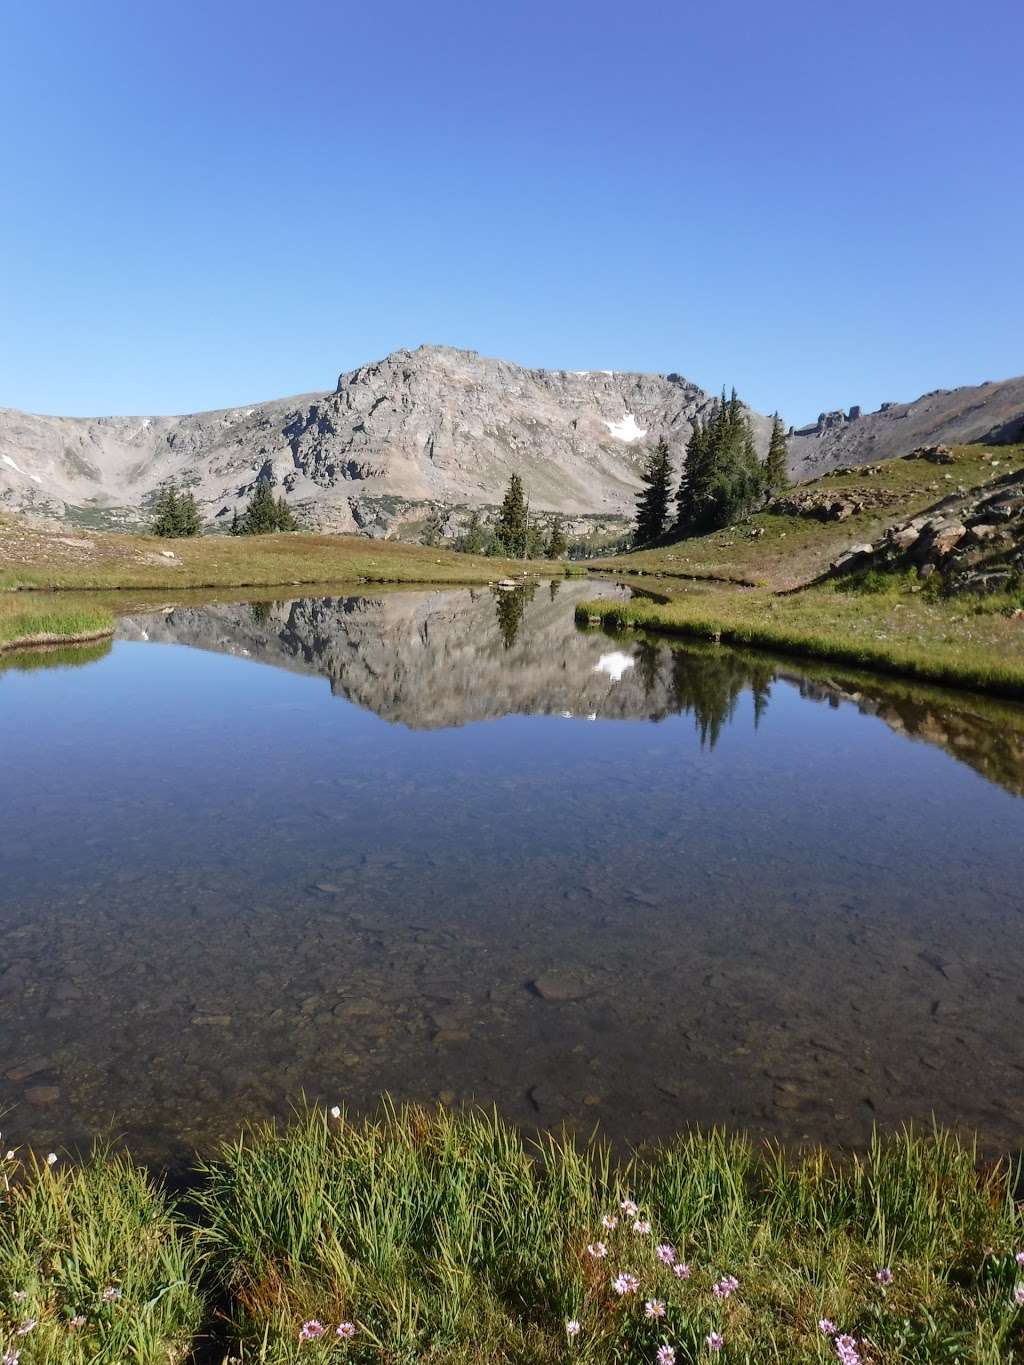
[444, 844]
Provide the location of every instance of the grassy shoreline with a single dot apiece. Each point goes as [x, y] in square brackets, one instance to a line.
[443, 1236]
[956, 643]
[34, 559]
[34, 624]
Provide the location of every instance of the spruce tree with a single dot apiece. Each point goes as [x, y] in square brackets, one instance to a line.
[556, 546]
[652, 503]
[189, 522]
[776, 467]
[511, 529]
[695, 484]
[722, 477]
[175, 514]
[165, 512]
[473, 540]
[263, 514]
[285, 516]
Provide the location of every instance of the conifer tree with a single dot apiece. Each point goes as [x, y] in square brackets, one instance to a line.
[776, 468]
[264, 514]
[175, 514]
[285, 516]
[165, 512]
[722, 476]
[473, 540]
[556, 545]
[652, 503]
[511, 529]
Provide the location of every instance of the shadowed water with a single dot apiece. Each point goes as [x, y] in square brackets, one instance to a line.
[444, 844]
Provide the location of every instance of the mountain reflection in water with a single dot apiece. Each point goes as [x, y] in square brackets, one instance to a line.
[445, 657]
[589, 879]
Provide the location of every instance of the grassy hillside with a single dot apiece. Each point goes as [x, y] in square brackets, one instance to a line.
[753, 584]
[446, 1239]
[783, 552]
[34, 558]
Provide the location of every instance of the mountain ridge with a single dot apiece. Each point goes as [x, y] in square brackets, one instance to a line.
[435, 427]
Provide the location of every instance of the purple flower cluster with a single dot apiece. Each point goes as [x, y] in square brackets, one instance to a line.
[727, 1285]
[313, 1329]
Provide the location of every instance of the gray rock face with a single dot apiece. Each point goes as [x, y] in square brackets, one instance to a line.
[985, 412]
[420, 428]
[437, 428]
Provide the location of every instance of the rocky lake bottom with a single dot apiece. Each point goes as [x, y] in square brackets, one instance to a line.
[444, 844]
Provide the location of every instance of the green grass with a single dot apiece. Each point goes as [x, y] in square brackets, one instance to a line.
[964, 642]
[33, 558]
[789, 551]
[29, 618]
[447, 1238]
[93, 1258]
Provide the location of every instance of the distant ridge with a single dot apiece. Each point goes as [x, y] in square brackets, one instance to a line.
[434, 427]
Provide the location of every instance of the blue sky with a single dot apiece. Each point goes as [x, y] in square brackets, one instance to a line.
[213, 203]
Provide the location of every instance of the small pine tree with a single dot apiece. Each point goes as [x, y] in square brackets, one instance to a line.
[189, 521]
[285, 516]
[776, 466]
[511, 529]
[557, 545]
[652, 503]
[165, 512]
[264, 514]
[175, 514]
[473, 540]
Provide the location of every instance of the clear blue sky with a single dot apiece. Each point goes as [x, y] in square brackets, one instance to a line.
[212, 203]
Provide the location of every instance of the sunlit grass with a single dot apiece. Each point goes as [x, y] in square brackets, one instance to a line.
[44, 617]
[447, 1238]
[93, 1267]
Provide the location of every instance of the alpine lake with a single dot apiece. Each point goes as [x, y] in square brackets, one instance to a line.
[445, 845]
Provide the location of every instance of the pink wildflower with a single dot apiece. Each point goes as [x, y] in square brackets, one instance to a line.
[311, 1330]
[610, 1222]
[624, 1283]
[11, 1357]
[1018, 1294]
[681, 1270]
[597, 1250]
[641, 1227]
[846, 1350]
[727, 1285]
[884, 1276]
[1019, 1258]
[715, 1341]
[666, 1253]
[666, 1356]
[629, 1208]
[25, 1327]
[654, 1308]
[573, 1327]
[345, 1330]
[827, 1327]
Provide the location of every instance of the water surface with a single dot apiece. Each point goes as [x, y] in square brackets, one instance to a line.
[444, 844]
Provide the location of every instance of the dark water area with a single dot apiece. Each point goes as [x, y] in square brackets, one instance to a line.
[444, 844]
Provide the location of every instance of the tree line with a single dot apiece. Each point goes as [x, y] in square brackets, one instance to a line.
[722, 478]
[176, 514]
[515, 534]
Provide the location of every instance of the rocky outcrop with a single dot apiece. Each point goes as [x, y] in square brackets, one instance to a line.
[975, 539]
[991, 412]
[418, 431]
[823, 504]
